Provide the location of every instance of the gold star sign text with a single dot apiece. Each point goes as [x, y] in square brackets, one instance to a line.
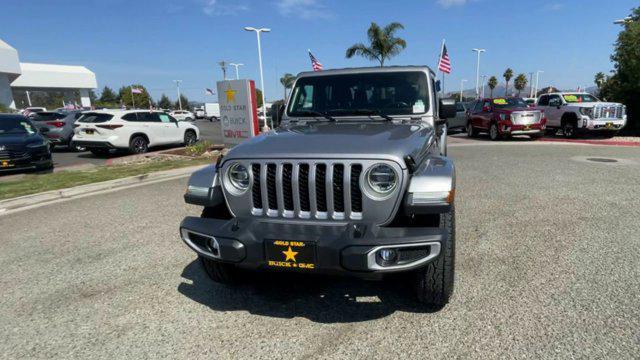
[231, 94]
[290, 254]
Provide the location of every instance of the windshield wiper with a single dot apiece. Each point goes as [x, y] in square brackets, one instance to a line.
[316, 113]
[364, 112]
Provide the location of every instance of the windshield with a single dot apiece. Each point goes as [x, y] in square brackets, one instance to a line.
[506, 103]
[578, 98]
[16, 126]
[95, 118]
[387, 93]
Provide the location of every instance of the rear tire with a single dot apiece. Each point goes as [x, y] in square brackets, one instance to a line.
[569, 129]
[434, 283]
[138, 145]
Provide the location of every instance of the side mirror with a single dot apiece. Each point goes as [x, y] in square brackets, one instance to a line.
[447, 109]
[276, 115]
[485, 109]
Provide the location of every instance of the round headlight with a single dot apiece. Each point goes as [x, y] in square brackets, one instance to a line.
[382, 179]
[238, 176]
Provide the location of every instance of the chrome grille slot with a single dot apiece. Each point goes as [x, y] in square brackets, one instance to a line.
[324, 190]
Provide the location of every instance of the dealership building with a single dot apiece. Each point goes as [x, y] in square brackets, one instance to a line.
[28, 78]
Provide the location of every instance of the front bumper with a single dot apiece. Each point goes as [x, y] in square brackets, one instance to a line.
[602, 124]
[508, 128]
[347, 248]
[33, 161]
[93, 144]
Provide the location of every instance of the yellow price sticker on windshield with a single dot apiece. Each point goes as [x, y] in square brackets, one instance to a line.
[571, 98]
[500, 101]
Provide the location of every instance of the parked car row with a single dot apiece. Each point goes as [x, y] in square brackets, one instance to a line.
[573, 113]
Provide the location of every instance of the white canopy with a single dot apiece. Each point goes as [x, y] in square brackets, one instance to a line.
[55, 76]
[9, 61]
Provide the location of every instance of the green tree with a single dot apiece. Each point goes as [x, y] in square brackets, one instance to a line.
[520, 83]
[493, 82]
[287, 82]
[108, 96]
[624, 84]
[142, 101]
[164, 102]
[185, 103]
[599, 79]
[508, 74]
[259, 98]
[383, 44]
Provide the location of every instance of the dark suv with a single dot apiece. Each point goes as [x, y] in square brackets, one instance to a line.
[21, 145]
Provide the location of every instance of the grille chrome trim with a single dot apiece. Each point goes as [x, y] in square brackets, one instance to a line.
[297, 189]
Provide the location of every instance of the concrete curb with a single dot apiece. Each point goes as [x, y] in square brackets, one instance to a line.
[54, 196]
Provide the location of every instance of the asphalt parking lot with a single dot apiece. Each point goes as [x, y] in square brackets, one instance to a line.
[64, 157]
[547, 267]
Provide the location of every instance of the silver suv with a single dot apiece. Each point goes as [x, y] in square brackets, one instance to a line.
[577, 113]
[354, 181]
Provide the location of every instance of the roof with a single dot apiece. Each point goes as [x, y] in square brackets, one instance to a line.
[567, 92]
[370, 69]
[9, 61]
[55, 76]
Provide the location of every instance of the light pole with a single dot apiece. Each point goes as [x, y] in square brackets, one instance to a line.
[530, 84]
[479, 51]
[264, 104]
[236, 66]
[461, 87]
[178, 87]
[535, 94]
[484, 77]
[223, 66]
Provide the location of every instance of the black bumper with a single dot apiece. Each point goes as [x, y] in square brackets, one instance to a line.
[340, 249]
[28, 162]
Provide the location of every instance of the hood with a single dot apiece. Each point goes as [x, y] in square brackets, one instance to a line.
[19, 140]
[328, 140]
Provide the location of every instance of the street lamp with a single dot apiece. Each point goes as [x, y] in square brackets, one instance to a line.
[530, 84]
[178, 87]
[623, 21]
[264, 104]
[461, 87]
[484, 77]
[236, 66]
[535, 94]
[479, 51]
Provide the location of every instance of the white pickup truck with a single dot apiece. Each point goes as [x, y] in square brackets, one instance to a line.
[576, 113]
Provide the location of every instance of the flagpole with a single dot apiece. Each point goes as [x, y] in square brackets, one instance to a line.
[440, 59]
[133, 102]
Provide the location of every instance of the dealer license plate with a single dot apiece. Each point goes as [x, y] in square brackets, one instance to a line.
[291, 254]
[609, 125]
[6, 164]
[89, 131]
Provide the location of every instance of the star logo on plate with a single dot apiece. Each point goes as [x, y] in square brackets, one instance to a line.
[290, 254]
[231, 94]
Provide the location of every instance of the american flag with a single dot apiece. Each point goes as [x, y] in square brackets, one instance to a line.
[136, 91]
[444, 64]
[315, 64]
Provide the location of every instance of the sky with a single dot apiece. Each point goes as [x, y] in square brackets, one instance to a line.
[155, 42]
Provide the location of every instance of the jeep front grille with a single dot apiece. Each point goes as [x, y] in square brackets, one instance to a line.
[307, 190]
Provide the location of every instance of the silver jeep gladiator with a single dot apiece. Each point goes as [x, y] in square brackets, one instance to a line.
[354, 181]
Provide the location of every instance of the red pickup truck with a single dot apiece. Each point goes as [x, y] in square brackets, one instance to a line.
[503, 117]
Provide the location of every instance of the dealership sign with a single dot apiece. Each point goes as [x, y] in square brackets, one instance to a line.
[238, 110]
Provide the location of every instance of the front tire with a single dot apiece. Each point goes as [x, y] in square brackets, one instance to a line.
[434, 283]
[220, 272]
[569, 129]
[471, 131]
[494, 134]
[190, 138]
[138, 145]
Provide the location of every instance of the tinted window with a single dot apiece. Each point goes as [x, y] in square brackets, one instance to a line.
[486, 104]
[352, 94]
[166, 118]
[95, 118]
[554, 100]
[16, 125]
[149, 116]
[48, 116]
[544, 100]
[460, 107]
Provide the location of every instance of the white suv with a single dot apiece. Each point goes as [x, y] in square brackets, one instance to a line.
[136, 131]
[182, 115]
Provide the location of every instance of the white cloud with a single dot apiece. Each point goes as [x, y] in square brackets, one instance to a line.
[305, 9]
[215, 7]
[450, 3]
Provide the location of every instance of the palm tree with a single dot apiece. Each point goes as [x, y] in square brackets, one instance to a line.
[599, 79]
[520, 83]
[508, 74]
[382, 43]
[287, 82]
[493, 82]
